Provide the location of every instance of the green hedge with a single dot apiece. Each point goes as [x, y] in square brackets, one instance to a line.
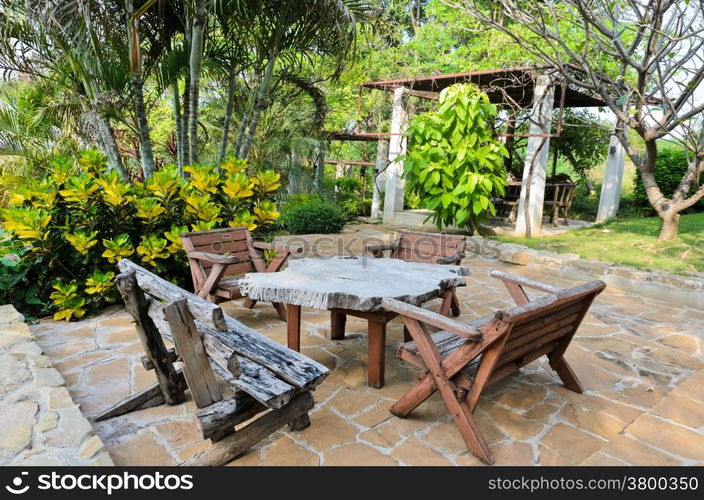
[314, 216]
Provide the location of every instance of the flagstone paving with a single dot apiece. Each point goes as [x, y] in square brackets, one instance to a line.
[640, 360]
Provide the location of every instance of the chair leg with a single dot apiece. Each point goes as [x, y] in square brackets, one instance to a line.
[455, 304]
[249, 303]
[413, 398]
[568, 377]
[406, 335]
[472, 436]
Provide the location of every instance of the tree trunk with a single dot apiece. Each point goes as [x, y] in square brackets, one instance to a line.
[228, 113]
[140, 110]
[670, 225]
[186, 120]
[145, 143]
[179, 126]
[195, 64]
[245, 117]
[106, 139]
[262, 94]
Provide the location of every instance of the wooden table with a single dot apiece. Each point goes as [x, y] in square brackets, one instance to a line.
[352, 286]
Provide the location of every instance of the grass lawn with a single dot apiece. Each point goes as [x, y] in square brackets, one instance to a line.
[631, 242]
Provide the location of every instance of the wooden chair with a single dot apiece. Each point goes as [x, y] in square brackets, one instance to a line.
[464, 358]
[512, 195]
[219, 258]
[267, 378]
[559, 197]
[429, 248]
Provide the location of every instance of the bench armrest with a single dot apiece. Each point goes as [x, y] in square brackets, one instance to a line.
[455, 258]
[278, 247]
[433, 319]
[215, 258]
[520, 280]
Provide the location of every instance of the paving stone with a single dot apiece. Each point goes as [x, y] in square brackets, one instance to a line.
[59, 398]
[572, 445]
[593, 421]
[252, 459]
[91, 447]
[179, 433]
[683, 343]
[141, 449]
[327, 430]
[523, 396]
[384, 435]
[447, 438]
[633, 452]
[73, 428]
[8, 314]
[514, 424]
[102, 459]
[351, 402]
[284, 451]
[356, 454]
[47, 421]
[599, 459]
[13, 372]
[414, 452]
[193, 449]
[48, 377]
[680, 409]
[676, 439]
[16, 422]
[64, 351]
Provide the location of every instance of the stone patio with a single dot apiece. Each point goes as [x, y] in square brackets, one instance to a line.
[640, 360]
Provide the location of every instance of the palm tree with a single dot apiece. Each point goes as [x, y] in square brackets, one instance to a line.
[56, 40]
[292, 32]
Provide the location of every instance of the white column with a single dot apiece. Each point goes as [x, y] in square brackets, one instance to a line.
[393, 198]
[382, 155]
[537, 155]
[613, 175]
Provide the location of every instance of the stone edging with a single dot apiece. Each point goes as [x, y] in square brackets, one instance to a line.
[674, 288]
[40, 424]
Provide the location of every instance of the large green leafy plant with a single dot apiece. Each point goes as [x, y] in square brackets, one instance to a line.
[69, 230]
[454, 162]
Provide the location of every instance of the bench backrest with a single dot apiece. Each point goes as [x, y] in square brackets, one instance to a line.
[543, 326]
[236, 241]
[560, 193]
[416, 246]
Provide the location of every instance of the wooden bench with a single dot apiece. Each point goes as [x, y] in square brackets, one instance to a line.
[464, 358]
[266, 376]
[559, 198]
[427, 248]
[220, 258]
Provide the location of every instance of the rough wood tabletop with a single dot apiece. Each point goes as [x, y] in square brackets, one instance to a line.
[358, 283]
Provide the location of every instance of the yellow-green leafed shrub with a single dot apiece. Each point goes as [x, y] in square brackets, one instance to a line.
[77, 223]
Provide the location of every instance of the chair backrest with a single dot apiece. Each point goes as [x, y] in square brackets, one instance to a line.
[512, 192]
[560, 193]
[543, 326]
[416, 246]
[236, 241]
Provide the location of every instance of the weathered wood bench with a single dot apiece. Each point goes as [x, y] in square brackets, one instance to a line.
[266, 376]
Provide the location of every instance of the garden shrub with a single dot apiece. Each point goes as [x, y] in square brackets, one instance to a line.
[349, 197]
[70, 229]
[670, 168]
[315, 216]
[454, 162]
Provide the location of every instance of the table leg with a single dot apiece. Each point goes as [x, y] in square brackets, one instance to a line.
[293, 326]
[337, 325]
[377, 343]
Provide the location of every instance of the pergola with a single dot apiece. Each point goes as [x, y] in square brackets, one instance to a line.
[538, 88]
